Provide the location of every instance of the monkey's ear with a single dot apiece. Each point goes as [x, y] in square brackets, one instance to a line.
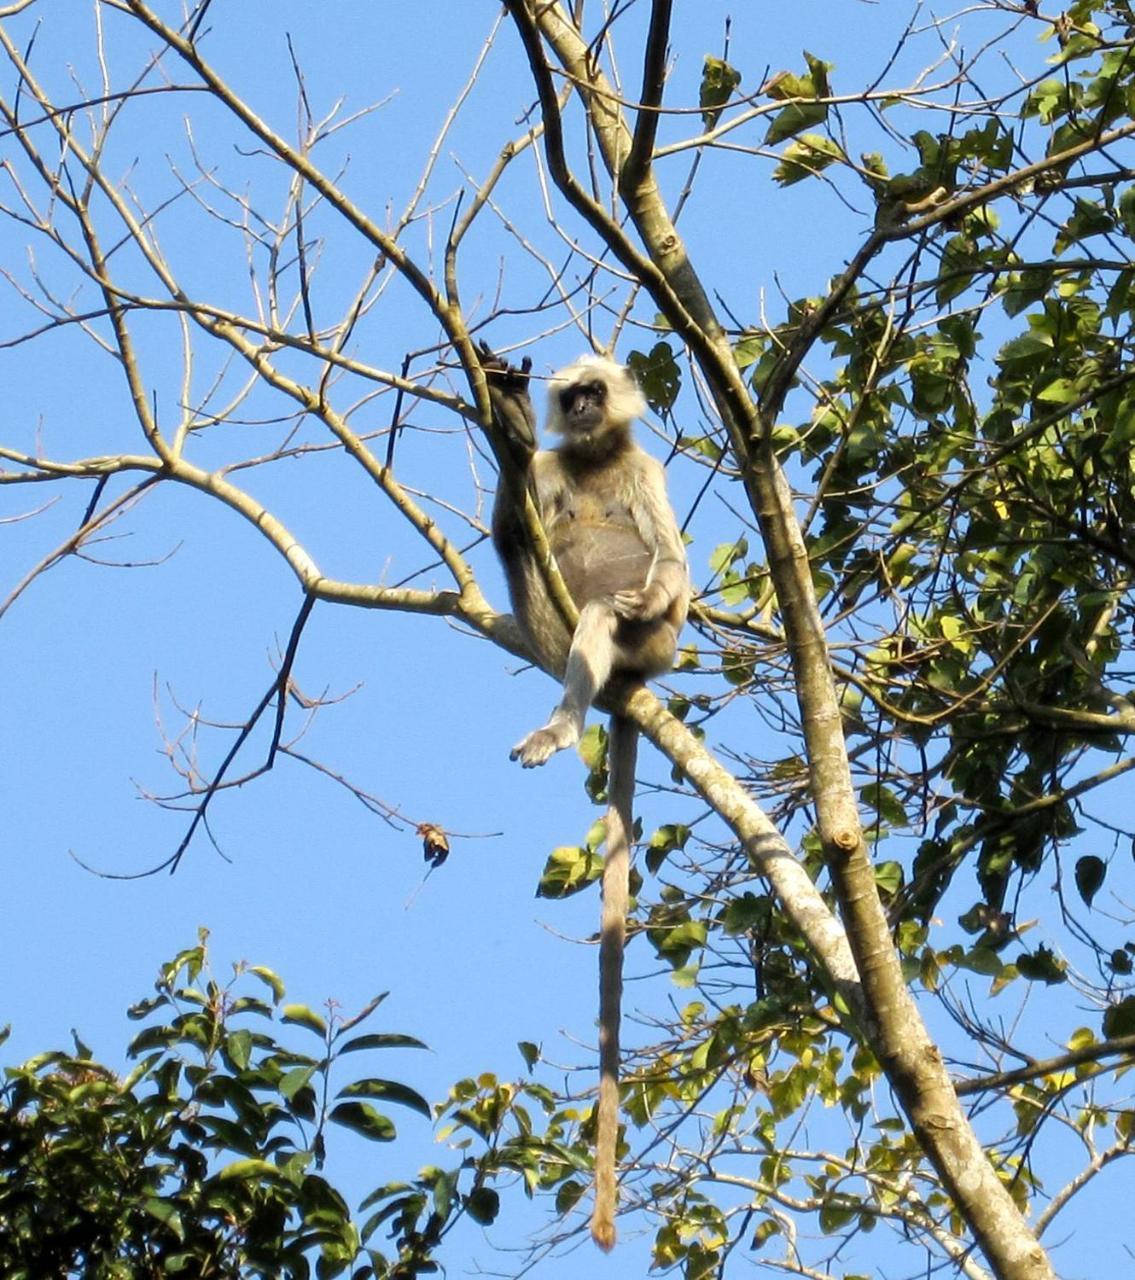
[512, 405]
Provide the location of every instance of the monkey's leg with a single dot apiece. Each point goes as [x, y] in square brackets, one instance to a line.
[589, 664]
[621, 748]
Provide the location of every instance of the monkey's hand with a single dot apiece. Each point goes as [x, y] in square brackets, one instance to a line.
[642, 604]
[512, 405]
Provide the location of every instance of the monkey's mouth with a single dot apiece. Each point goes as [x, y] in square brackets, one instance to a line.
[589, 441]
[584, 423]
[586, 428]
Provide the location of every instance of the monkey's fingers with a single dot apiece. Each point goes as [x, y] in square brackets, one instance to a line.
[536, 749]
[500, 371]
[633, 606]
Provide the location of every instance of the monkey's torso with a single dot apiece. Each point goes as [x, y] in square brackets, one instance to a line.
[602, 519]
[588, 516]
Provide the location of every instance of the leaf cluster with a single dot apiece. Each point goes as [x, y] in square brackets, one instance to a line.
[206, 1158]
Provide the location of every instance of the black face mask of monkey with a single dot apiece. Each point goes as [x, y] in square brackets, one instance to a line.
[612, 532]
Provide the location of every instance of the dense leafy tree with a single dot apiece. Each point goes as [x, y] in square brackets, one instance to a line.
[207, 1158]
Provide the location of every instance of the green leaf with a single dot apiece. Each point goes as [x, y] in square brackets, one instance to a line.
[663, 842]
[718, 80]
[1119, 1020]
[1090, 872]
[568, 870]
[1126, 208]
[805, 157]
[380, 1040]
[151, 1038]
[889, 877]
[270, 979]
[749, 348]
[750, 912]
[764, 1232]
[1027, 347]
[727, 554]
[882, 799]
[798, 116]
[982, 960]
[1059, 391]
[794, 119]
[1023, 290]
[143, 1008]
[568, 1195]
[250, 1004]
[302, 1016]
[483, 1205]
[592, 746]
[1089, 219]
[390, 1091]
[658, 375]
[166, 1213]
[362, 1118]
[238, 1046]
[291, 1082]
[251, 1169]
[529, 1052]
[1042, 965]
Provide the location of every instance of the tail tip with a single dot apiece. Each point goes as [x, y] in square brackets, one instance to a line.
[603, 1232]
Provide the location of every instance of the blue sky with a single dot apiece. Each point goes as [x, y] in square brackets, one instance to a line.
[313, 885]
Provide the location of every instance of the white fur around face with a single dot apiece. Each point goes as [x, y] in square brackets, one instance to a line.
[625, 401]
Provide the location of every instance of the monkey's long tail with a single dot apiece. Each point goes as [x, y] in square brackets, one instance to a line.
[621, 751]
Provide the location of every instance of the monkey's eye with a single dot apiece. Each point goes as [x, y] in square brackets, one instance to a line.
[588, 393]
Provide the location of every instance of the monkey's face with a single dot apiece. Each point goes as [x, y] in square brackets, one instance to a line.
[583, 407]
[592, 404]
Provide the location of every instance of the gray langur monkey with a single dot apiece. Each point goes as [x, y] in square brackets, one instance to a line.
[612, 533]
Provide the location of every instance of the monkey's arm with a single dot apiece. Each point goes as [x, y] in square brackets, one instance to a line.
[512, 407]
[668, 579]
[542, 607]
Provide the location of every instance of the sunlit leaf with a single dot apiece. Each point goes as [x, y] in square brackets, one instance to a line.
[302, 1016]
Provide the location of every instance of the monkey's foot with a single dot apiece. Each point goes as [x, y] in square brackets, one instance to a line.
[541, 744]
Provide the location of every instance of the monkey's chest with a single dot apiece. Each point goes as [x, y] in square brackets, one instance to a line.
[598, 549]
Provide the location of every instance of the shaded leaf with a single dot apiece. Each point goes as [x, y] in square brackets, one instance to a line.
[1042, 965]
[1090, 873]
[391, 1091]
[363, 1013]
[1119, 1020]
[364, 1119]
[483, 1205]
